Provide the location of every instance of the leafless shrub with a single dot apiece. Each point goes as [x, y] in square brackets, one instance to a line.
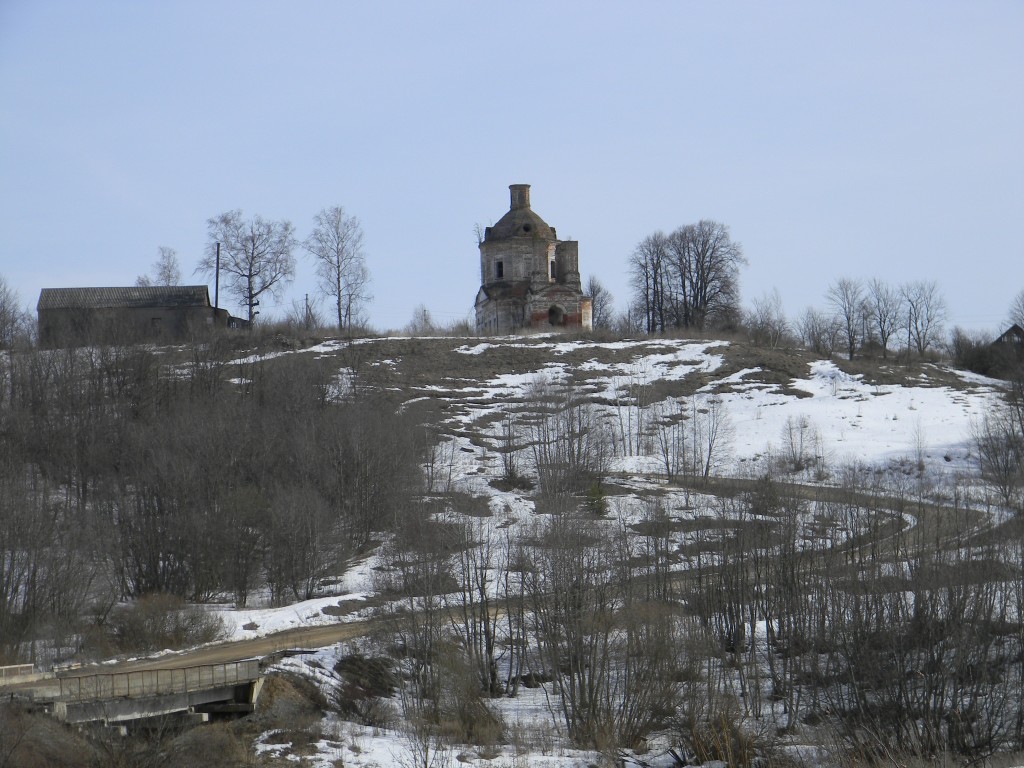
[670, 436]
[802, 445]
[367, 684]
[999, 441]
[819, 332]
[512, 442]
[216, 745]
[766, 321]
[608, 645]
[423, 746]
[723, 737]
[440, 463]
[159, 621]
[569, 445]
[290, 702]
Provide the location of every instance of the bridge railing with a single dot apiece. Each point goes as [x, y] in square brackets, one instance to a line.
[12, 671]
[157, 682]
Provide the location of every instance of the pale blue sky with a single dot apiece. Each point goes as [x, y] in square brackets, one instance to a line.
[856, 139]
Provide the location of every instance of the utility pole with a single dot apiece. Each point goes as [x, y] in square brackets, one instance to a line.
[216, 281]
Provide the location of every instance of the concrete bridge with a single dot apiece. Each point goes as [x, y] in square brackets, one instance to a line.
[222, 678]
[122, 697]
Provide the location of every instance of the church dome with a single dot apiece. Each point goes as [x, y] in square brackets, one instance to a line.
[520, 221]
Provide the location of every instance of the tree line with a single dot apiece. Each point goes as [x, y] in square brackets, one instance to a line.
[124, 474]
[688, 280]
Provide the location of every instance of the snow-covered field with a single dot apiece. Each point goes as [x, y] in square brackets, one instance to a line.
[859, 422]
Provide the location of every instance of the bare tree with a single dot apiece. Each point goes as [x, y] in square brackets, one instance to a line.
[12, 317]
[601, 302]
[819, 331]
[255, 255]
[480, 565]
[999, 441]
[647, 266]
[630, 321]
[166, 270]
[711, 434]
[670, 436]
[511, 446]
[25, 526]
[1017, 309]
[766, 322]
[705, 266]
[847, 299]
[926, 314]
[630, 421]
[801, 448]
[336, 245]
[302, 544]
[884, 308]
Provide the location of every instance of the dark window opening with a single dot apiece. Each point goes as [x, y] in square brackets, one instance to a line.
[526, 227]
[500, 269]
[556, 316]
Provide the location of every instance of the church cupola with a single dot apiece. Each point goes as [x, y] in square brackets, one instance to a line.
[520, 196]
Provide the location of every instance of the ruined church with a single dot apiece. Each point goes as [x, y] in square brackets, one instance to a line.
[529, 279]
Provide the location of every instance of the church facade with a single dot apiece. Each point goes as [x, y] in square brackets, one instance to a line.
[529, 279]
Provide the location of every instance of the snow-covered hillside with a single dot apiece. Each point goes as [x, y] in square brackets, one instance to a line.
[930, 417]
[769, 406]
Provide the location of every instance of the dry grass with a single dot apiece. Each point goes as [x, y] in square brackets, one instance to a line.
[35, 740]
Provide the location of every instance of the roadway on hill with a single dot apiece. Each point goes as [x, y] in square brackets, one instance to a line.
[218, 653]
[257, 647]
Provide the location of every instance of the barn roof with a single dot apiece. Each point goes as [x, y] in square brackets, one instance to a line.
[123, 298]
[1012, 334]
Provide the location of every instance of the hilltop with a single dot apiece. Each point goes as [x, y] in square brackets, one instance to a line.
[870, 413]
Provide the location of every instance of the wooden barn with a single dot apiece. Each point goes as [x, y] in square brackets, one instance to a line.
[78, 316]
[1014, 335]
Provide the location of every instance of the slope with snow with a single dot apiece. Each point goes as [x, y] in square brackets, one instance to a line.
[851, 420]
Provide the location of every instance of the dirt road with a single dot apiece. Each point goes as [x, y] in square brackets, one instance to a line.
[301, 638]
[220, 653]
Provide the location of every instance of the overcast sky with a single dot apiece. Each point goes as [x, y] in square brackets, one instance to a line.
[867, 139]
